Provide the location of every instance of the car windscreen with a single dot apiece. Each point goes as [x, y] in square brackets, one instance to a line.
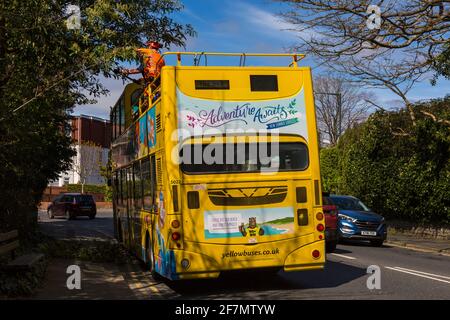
[84, 199]
[243, 157]
[349, 204]
[327, 201]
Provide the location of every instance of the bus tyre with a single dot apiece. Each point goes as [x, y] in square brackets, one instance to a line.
[150, 260]
[376, 243]
[50, 214]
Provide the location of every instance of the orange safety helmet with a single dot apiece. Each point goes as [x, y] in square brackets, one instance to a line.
[154, 44]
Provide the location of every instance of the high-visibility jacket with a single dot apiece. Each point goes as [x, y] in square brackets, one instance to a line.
[151, 63]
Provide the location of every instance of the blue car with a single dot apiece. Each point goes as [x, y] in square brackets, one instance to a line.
[357, 222]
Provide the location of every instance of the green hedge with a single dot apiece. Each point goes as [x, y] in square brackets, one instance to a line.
[400, 176]
[90, 188]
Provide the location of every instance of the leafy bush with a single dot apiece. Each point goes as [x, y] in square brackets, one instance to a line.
[400, 170]
[86, 250]
[88, 188]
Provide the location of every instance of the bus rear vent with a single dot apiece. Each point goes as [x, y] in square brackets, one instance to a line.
[263, 82]
[212, 84]
[158, 122]
[302, 217]
[193, 200]
[159, 171]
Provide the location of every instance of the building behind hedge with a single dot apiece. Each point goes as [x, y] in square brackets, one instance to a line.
[86, 129]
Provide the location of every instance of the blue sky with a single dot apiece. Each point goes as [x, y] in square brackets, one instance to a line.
[247, 26]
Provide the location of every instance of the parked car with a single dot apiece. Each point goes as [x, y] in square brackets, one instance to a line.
[72, 205]
[357, 222]
[331, 233]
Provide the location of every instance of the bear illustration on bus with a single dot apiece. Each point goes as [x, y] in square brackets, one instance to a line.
[252, 230]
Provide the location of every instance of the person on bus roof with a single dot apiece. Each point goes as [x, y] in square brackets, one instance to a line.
[151, 62]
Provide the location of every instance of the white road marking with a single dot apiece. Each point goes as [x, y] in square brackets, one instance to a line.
[343, 256]
[426, 273]
[419, 274]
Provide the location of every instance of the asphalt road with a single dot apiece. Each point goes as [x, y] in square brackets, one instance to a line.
[405, 274]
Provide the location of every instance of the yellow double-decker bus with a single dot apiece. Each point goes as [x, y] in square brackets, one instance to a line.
[217, 169]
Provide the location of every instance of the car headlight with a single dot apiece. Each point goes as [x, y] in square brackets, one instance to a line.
[345, 217]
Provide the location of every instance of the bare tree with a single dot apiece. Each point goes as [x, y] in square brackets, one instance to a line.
[89, 161]
[393, 45]
[339, 106]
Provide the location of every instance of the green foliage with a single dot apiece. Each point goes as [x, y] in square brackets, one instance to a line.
[91, 188]
[88, 188]
[45, 69]
[85, 250]
[442, 64]
[329, 169]
[399, 170]
[23, 283]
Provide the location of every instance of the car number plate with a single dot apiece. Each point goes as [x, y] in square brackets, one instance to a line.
[368, 233]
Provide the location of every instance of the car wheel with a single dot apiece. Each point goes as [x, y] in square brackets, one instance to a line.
[376, 243]
[92, 216]
[330, 246]
[50, 214]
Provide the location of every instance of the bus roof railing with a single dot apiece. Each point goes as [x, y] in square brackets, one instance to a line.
[198, 55]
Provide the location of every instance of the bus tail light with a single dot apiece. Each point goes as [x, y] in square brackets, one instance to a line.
[320, 227]
[319, 216]
[316, 254]
[175, 224]
[176, 236]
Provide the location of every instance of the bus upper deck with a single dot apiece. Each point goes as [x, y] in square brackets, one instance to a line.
[217, 169]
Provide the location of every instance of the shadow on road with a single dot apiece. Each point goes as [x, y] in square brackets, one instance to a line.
[81, 227]
[360, 243]
[266, 285]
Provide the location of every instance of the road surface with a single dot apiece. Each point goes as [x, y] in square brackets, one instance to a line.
[405, 274]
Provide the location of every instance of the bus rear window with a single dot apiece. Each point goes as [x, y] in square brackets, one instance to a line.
[243, 157]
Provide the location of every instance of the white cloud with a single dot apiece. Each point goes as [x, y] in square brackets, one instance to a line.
[102, 107]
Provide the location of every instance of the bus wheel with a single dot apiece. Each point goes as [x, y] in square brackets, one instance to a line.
[150, 259]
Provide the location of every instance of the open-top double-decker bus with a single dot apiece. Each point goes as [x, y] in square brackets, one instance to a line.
[217, 169]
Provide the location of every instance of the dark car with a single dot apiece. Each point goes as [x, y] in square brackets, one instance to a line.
[72, 205]
[331, 234]
[357, 222]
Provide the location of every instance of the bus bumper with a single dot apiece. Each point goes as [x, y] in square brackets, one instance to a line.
[195, 265]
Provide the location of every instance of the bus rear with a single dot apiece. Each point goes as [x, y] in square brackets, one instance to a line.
[241, 168]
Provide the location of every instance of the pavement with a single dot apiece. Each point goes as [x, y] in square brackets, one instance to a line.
[419, 244]
[410, 268]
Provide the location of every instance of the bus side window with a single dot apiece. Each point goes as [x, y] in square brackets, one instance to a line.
[146, 184]
[153, 178]
[137, 185]
[130, 186]
[124, 186]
